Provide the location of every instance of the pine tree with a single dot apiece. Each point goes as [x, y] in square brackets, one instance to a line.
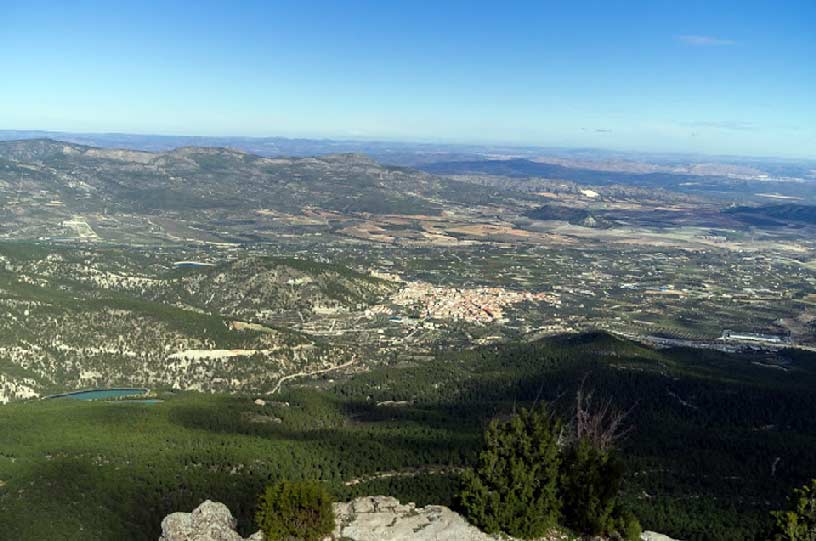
[513, 489]
[590, 484]
[799, 523]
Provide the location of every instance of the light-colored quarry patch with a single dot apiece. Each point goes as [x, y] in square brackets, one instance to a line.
[246, 326]
[294, 219]
[80, 227]
[328, 310]
[195, 354]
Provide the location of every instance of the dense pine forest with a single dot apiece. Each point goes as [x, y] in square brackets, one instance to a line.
[717, 440]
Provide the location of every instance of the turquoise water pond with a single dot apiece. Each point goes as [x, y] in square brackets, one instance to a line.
[191, 264]
[101, 394]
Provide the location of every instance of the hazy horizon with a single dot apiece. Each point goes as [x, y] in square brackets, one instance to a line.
[696, 78]
[89, 138]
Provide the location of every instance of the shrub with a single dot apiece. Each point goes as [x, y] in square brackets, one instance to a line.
[295, 511]
[627, 526]
[799, 523]
[590, 482]
[514, 486]
[591, 474]
[532, 467]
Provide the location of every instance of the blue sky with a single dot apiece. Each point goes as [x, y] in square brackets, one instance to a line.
[713, 77]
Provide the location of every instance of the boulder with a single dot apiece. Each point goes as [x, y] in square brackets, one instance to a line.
[382, 518]
[210, 521]
[654, 536]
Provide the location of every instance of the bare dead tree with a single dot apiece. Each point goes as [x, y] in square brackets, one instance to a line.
[599, 422]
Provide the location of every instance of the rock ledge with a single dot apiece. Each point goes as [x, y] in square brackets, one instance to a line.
[370, 518]
[383, 518]
[210, 521]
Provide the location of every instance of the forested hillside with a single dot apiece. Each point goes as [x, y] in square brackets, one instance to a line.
[718, 440]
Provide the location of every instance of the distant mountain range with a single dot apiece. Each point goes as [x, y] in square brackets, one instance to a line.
[419, 153]
[742, 183]
[45, 184]
[87, 179]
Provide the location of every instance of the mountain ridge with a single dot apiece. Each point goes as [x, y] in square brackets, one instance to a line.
[86, 178]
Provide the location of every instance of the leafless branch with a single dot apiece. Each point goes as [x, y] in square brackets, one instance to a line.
[599, 422]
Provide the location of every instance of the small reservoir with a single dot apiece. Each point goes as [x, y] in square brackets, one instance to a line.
[101, 394]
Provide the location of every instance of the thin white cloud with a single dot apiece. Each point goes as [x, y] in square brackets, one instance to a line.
[705, 41]
[734, 125]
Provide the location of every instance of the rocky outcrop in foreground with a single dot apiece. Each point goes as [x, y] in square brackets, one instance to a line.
[210, 521]
[371, 518]
[654, 536]
[381, 518]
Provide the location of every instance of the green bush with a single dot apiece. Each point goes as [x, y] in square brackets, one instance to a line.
[799, 523]
[590, 482]
[533, 472]
[513, 489]
[627, 527]
[295, 511]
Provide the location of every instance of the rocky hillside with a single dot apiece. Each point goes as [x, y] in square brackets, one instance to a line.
[372, 518]
[84, 179]
[262, 287]
[77, 318]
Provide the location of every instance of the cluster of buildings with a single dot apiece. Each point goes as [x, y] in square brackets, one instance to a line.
[475, 305]
[759, 338]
